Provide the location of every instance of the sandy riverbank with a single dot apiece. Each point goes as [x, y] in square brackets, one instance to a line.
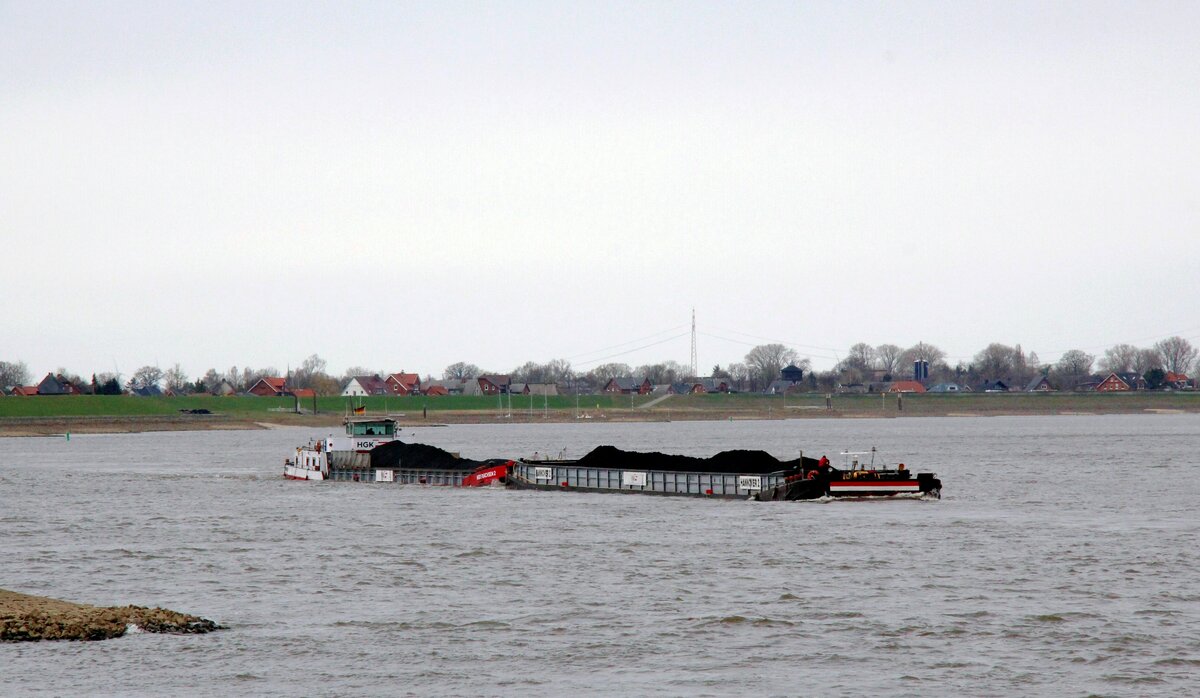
[24, 617]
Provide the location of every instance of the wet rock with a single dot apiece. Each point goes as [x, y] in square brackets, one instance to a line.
[26, 618]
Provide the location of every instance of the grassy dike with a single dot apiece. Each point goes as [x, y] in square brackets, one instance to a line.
[122, 413]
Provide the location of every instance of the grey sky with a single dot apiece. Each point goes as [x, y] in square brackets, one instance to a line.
[408, 185]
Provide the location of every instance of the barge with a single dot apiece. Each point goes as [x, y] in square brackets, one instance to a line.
[370, 452]
[805, 478]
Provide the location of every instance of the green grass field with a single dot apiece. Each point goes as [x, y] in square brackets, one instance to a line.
[748, 404]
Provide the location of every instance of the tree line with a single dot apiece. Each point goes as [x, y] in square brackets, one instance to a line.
[760, 367]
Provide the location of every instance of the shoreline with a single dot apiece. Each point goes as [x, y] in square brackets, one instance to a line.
[29, 618]
[59, 426]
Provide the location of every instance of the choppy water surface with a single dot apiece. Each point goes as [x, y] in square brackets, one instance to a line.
[1062, 560]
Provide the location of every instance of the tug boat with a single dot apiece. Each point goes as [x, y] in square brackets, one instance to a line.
[856, 478]
[310, 462]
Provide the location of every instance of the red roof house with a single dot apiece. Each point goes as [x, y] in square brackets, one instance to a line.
[268, 386]
[24, 390]
[1179, 381]
[905, 387]
[403, 384]
[1112, 384]
[491, 385]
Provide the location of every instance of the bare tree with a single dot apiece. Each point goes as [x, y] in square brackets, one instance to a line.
[460, 371]
[355, 371]
[888, 357]
[1177, 354]
[560, 371]
[1119, 358]
[212, 380]
[145, 377]
[1073, 367]
[664, 372]
[928, 353]
[765, 361]
[861, 356]
[310, 370]
[175, 379]
[603, 373]
[1022, 370]
[739, 373]
[13, 373]
[995, 362]
[1147, 360]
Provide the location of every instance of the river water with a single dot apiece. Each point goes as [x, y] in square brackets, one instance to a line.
[1062, 560]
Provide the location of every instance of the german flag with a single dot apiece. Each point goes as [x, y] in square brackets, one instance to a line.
[361, 409]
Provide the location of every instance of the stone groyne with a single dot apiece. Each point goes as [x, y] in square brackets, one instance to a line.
[32, 618]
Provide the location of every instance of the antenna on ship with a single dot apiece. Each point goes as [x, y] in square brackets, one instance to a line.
[694, 362]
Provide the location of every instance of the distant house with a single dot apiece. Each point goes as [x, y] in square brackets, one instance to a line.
[686, 388]
[494, 384]
[714, 385]
[996, 386]
[435, 388]
[24, 390]
[268, 386]
[365, 385]
[1113, 384]
[791, 373]
[905, 387]
[403, 384]
[947, 388]
[148, 391]
[1134, 380]
[627, 385]
[302, 393]
[781, 387]
[1039, 384]
[1178, 381]
[56, 385]
[534, 388]
[224, 388]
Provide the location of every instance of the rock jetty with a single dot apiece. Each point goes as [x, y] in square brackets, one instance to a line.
[31, 618]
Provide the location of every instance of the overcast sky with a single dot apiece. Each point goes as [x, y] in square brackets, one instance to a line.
[402, 186]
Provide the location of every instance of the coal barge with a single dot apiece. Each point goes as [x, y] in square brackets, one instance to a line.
[741, 474]
[729, 475]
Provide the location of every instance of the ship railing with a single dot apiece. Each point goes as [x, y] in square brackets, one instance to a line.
[653, 481]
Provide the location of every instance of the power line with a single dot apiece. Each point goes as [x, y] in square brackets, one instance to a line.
[776, 341]
[630, 351]
[753, 344]
[621, 344]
